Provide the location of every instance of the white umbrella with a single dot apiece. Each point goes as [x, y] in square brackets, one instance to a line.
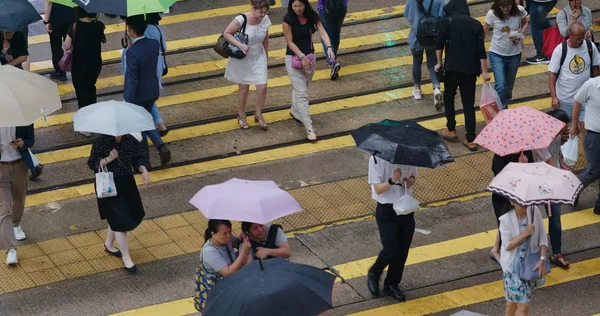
[25, 97]
[114, 118]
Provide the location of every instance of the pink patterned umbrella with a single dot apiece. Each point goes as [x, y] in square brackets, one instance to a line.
[516, 130]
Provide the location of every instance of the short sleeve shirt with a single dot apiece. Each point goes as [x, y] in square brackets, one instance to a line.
[589, 94]
[574, 72]
[501, 44]
[301, 36]
[18, 47]
[280, 238]
[216, 258]
[380, 172]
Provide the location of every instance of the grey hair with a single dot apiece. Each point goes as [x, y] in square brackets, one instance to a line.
[574, 26]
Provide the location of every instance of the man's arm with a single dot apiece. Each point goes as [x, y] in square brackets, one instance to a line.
[131, 77]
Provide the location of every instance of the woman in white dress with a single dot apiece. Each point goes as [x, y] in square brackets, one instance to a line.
[252, 70]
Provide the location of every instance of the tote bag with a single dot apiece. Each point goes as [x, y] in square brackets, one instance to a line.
[105, 183]
[552, 38]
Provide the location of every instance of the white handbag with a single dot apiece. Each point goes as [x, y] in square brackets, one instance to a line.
[105, 183]
[407, 204]
[570, 151]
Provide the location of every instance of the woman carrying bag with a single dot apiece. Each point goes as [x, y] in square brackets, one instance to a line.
[124, 212]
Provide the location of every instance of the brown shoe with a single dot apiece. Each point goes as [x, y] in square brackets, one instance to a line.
[470, 146]
[449, 135]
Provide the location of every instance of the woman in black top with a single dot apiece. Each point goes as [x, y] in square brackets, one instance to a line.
[300, 22]
[85, 36]
[124, 212]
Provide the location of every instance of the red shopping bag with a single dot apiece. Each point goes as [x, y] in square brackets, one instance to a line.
[552, 39]
[489, 103]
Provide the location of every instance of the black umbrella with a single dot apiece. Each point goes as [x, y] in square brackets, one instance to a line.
[403, 143]
[17, 14]
[272, 287]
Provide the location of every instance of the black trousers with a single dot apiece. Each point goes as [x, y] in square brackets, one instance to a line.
[467, 85]
[57, 37]
[396, 233]
[85, 86]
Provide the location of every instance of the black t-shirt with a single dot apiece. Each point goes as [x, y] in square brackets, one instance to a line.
[302, 36]
[62, 14]
[87, 50]
[18, 47]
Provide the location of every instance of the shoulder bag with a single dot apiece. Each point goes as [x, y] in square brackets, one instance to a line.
[527, 266]
[66, 62]
[162, 49]
[242, 37]
[205, 282]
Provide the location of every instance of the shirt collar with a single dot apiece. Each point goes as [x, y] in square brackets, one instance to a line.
[137, 39]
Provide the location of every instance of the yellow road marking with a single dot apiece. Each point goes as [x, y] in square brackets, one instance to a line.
[281, 115]
[179, 307]
[479, 293]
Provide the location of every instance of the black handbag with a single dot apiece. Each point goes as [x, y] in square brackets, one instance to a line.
[242, 37]
[441, 74]
[162, 49]
[221, 47]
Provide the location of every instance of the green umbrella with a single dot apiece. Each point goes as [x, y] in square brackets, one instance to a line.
[68, 3]
[125, 7]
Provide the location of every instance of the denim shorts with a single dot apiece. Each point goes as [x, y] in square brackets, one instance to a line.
[568, 107]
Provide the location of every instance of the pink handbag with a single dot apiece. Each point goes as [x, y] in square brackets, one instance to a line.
[66, 62]
[297, 62]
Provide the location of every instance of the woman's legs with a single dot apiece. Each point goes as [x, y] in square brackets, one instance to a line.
[261, 96]
[522, 309]
[510, 74]
[110, 240]
[123, 243]
[242, 100]
[511, 308]
[417, 56]
[499, 68]
[300, 106]
[431, 61]
[158, 120]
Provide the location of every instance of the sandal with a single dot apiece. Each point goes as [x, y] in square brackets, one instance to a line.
[260, 120]
[242, 122]
[493, 258]
[556, 259]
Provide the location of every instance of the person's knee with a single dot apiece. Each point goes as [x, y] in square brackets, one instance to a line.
[261, 88]
[523, 309]
[243, 88]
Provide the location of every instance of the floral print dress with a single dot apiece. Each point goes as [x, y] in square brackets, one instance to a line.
[517, 290]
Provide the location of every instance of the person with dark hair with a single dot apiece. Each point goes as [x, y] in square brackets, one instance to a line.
[57, 19]
[268, 241]
[14, 49]
[299, 24]
[86, 37]
[253, 69]
[217, 253]
[141, 78]
[414, 11]
[332, 14]
[509, 22]
[538, 23]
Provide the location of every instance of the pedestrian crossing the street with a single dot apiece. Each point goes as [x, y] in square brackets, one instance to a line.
[63, 265]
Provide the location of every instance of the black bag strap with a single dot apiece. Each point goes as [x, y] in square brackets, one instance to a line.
[243, 28]
[428, 13]
[162, 45]
[272, 236]
[562, 57]
[229, 254]
[590, 49]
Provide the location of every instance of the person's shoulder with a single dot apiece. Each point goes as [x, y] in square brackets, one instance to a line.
[506, 217]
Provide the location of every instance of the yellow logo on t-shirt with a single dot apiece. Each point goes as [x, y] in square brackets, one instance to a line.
[577, 65]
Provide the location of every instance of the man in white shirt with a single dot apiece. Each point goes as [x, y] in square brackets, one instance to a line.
[13, 185]
[396, 231]
[589, 94]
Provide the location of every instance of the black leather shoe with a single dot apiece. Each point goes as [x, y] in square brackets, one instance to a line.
[597, 210]
[38, 172]
[394, 291]
[373, 283]
[163, 133]
[115, 253]
[165, 155]
[131, 270]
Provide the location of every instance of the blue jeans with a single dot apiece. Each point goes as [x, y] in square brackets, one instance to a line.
[591, 147]
[567, 106]
[418, 61]
[555, 228]
[333, 29]
[539, 22]
[505, 72]
[156, 114]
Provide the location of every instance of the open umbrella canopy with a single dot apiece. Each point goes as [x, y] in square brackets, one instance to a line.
[519, 129]
[16, 14]
[403, 143]
[272, 287]
[25, 97]
[114, 118]
[125, 7]
[536, 183]
[68, 3]
[245, 200]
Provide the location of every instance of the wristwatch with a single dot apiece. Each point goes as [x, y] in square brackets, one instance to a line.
[46, 22]
[391, 182]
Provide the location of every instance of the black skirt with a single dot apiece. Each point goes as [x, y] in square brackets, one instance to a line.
[125, 211]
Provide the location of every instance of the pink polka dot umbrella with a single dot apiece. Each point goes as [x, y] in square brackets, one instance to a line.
[516, 130]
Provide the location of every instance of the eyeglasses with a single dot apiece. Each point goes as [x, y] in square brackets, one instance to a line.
[506, 6]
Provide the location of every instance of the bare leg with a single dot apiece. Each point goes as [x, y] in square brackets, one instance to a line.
[511, 308]
[523, 309]
[123, 243]
[495, 252]
[261, 95]
[243, 98]
[110, 240]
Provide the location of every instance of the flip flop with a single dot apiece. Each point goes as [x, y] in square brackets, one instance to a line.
[556, 260]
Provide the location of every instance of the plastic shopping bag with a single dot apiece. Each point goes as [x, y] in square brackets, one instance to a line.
[407, 204]
[105, 183]
[490, 103]
[570, 151]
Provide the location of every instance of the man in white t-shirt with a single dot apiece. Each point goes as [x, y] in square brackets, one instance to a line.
[576, 69]
[396, 231]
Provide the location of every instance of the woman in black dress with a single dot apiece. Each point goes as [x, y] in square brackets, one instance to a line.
[124, 212]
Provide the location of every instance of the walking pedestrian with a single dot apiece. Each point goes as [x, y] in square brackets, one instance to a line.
[253, 69]
[124, 212]
[414, 11]
[521, 234]
[388, 183]
[572, 64]
[85, 36]
[57, 19]
[509, 22]
[575, 11]
[299, 24]
[267, 241]
[14, 49]
[332, 14]
[465, 61]
[14, 142]
[141, 82]
[589, 94]
[538, 22]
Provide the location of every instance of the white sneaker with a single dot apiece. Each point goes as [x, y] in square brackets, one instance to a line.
[417, 94]
[167, 11]
[11, 257]
[438, 100]
[310, 134]
[19, 233]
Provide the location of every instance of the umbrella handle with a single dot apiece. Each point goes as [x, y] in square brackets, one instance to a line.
[549, 209]
[261, 265]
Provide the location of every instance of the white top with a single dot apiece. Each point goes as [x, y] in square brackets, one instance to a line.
[380, 172]
[574, 72]
[253, 68]
[7, 135]
[509, 229]
[501, 44]
[589, 94]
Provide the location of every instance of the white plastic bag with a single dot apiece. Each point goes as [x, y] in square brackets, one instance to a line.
[105, 183]
[489, 104]
[570, 151]
[34, 159]
[407, 204]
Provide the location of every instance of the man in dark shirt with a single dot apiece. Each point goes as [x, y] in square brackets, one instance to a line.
[58, 19]
[462, 36]
[14, 49]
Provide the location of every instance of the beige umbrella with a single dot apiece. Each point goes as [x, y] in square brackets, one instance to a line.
[25, 97]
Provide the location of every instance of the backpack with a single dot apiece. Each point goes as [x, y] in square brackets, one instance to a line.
[333, 9]
[429, 27]
[270, 242]
[564, 55]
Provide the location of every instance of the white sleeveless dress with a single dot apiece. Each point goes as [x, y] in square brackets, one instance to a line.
[253, 69]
